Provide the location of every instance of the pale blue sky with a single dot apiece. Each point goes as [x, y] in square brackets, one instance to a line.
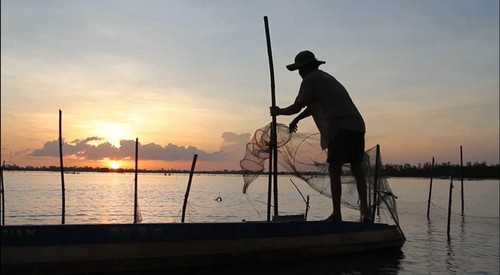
[424, 74]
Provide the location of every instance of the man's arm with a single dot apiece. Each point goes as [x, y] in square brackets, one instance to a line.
[295, 121]
[290, 110]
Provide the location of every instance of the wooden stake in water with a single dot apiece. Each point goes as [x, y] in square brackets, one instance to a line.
[63, 189]
[449, 206]
[3, 193]
[430, 189]
[188, 187]
[136, 205]
[375, 182]
[307, 208]
[462, 178]
[273, 148]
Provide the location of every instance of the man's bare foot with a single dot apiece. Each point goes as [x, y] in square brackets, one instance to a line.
[365, 218]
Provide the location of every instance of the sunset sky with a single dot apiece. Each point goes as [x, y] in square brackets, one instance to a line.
[190, 77]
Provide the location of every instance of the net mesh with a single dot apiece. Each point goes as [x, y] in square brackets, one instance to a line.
[299, 155]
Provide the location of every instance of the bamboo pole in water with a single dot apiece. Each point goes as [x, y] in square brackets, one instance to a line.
[188, 187]
[449, 206]
[430, 190]
[62, 170]
[375, 182]
[307, 208]
[136, 205]
[273, 152]
[3, 193]
[462, 178]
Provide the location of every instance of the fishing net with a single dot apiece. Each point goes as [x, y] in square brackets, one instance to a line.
[300, 155]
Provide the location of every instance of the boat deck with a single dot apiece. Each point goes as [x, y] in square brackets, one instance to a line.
[115, 247]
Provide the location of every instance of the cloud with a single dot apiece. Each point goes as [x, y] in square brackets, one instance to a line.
[89, 139]
[233, 148]
[50, 149]
[234, 145]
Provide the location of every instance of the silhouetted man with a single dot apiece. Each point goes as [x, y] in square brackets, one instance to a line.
[339, 122]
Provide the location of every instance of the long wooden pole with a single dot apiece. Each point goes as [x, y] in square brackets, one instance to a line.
[375, 181]
[3, 193]
[269, 184]
[462, 178]
[273, 162]
[430, 190]
[63, 189]
[136, 205]
[188, 187]
[449, 206]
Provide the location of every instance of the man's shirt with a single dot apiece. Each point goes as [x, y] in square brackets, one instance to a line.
[330, 105]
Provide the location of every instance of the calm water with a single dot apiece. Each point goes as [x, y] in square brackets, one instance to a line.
[35, 198]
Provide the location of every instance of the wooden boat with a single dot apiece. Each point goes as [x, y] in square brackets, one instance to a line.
[129, 247]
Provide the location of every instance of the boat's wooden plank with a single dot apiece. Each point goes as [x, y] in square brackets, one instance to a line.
[325, 243]
[109, 233]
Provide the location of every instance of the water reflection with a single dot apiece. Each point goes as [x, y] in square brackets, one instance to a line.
[430, 227]
[450, 256]
[462, 228]
[375, 262]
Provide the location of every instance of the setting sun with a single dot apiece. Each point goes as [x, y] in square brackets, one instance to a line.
[115, 165]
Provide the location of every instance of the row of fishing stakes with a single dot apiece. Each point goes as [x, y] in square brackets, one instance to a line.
[452, 174]
[137, 217]
[272, 173]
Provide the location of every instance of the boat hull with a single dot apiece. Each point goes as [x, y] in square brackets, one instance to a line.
[115, 247]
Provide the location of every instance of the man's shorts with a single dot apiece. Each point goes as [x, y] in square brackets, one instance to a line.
[347, 146]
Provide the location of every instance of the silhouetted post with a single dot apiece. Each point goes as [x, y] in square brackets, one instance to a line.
[273, 146]
[430, 189]
[375, 181]
[307, 207]
[62, 169]
[449, 205]
[462, 178]
[188, 187]
[3, 192]
[136, 205]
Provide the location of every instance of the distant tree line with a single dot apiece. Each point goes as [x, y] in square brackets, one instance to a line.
[445, 169]
[480, 170]
[73, 169]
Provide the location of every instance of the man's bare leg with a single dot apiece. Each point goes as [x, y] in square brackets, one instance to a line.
[335, 171]
[357, 172]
